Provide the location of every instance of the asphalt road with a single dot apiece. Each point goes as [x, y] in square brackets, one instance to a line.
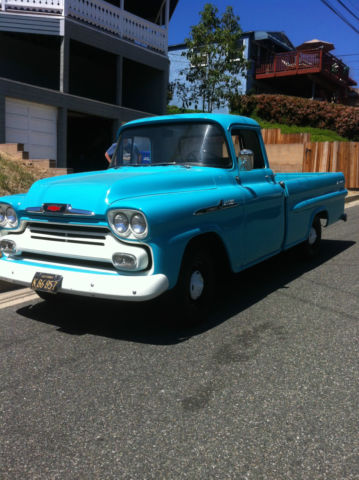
[266, 389]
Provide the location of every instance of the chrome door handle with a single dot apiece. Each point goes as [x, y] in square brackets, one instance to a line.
[269, 177]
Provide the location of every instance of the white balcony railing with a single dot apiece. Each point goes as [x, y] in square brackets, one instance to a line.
[31, 6]
[99, 14]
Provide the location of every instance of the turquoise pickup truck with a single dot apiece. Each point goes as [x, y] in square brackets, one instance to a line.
[185, 197]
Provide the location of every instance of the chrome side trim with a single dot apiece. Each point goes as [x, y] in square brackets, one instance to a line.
[222, 205]
[34, 210]
[77, 211]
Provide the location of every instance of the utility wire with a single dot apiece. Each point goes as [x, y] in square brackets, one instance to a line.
[347, 9]
[353, 5]
[340, 15]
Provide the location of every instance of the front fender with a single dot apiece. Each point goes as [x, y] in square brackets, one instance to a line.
[176, 219]
[168, 254]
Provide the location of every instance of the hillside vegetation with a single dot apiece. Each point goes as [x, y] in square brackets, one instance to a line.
[15, 177]
[317, 134]
[304, 112]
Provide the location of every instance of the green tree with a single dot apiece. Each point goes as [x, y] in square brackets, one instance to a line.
[216, 61]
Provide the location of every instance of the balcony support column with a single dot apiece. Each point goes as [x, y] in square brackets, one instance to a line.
[119, 76]
[313, 89]
[64, 64]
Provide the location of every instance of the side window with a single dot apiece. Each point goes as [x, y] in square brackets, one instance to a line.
[248, 139]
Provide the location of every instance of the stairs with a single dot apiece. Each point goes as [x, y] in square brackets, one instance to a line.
[44, 167]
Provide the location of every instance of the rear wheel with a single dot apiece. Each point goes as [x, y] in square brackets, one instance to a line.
[311, 246]
[195, 287]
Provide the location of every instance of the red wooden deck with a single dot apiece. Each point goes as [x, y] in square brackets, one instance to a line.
[304, 62]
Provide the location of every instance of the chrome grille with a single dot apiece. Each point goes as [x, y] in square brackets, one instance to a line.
[69, 262]
[68, 233]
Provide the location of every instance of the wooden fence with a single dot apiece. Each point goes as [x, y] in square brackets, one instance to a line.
[333, 157]
[274, 136]
[317, 156]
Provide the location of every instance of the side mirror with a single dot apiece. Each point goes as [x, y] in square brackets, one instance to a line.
[246, 160]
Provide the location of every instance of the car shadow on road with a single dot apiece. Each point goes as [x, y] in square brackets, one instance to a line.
[153, 322]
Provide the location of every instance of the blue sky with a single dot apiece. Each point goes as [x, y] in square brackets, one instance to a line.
[300, 20]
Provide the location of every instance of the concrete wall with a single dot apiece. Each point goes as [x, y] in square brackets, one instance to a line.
[286, 157]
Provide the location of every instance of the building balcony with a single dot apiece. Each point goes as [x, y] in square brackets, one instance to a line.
[305, 62]
[101, 15]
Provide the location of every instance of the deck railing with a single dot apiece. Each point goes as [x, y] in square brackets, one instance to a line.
[99, 14]
[304, 61]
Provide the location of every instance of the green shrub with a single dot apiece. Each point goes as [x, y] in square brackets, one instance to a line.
[341, 119]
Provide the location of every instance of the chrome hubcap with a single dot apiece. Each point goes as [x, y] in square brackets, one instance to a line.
[196, 285]
[312, 236]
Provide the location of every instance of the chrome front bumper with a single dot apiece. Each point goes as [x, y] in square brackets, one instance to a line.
[100, 284]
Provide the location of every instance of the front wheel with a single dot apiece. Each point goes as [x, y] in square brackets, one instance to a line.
[195, 287]
[311, 246]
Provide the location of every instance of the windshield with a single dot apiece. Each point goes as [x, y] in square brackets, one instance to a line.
[172, 144]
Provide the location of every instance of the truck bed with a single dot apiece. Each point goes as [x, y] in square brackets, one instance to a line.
[307, 195]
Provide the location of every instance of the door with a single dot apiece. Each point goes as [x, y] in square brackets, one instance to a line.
[264, 201]
[34, 125]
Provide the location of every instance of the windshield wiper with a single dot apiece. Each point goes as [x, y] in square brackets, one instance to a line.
[164, 164]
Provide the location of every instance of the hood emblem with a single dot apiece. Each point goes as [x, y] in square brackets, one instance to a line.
[55, 207]
[59, 209]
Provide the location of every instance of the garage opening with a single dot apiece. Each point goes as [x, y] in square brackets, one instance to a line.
[88, 138]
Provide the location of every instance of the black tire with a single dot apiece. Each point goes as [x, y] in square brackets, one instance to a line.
[311, 246]
[195, 288]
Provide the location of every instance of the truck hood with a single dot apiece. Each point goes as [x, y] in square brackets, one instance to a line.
[96, 191]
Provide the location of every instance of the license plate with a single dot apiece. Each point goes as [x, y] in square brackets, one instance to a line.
[46, 282]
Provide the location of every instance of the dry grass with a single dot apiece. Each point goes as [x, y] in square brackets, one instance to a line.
[14, 176]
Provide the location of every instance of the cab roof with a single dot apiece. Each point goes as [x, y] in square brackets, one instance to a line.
[225, 120]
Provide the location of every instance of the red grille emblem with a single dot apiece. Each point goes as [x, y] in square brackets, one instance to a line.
[55, 207]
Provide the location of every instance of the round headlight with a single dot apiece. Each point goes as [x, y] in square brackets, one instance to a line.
[138, 224]
[2, 215]
[121, 223]
[11, 216]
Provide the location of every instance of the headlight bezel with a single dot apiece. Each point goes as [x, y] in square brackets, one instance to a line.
[6, 222]
[130, 214]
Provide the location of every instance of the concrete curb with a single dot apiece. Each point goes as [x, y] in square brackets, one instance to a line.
[13, 297]
[352, 196]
